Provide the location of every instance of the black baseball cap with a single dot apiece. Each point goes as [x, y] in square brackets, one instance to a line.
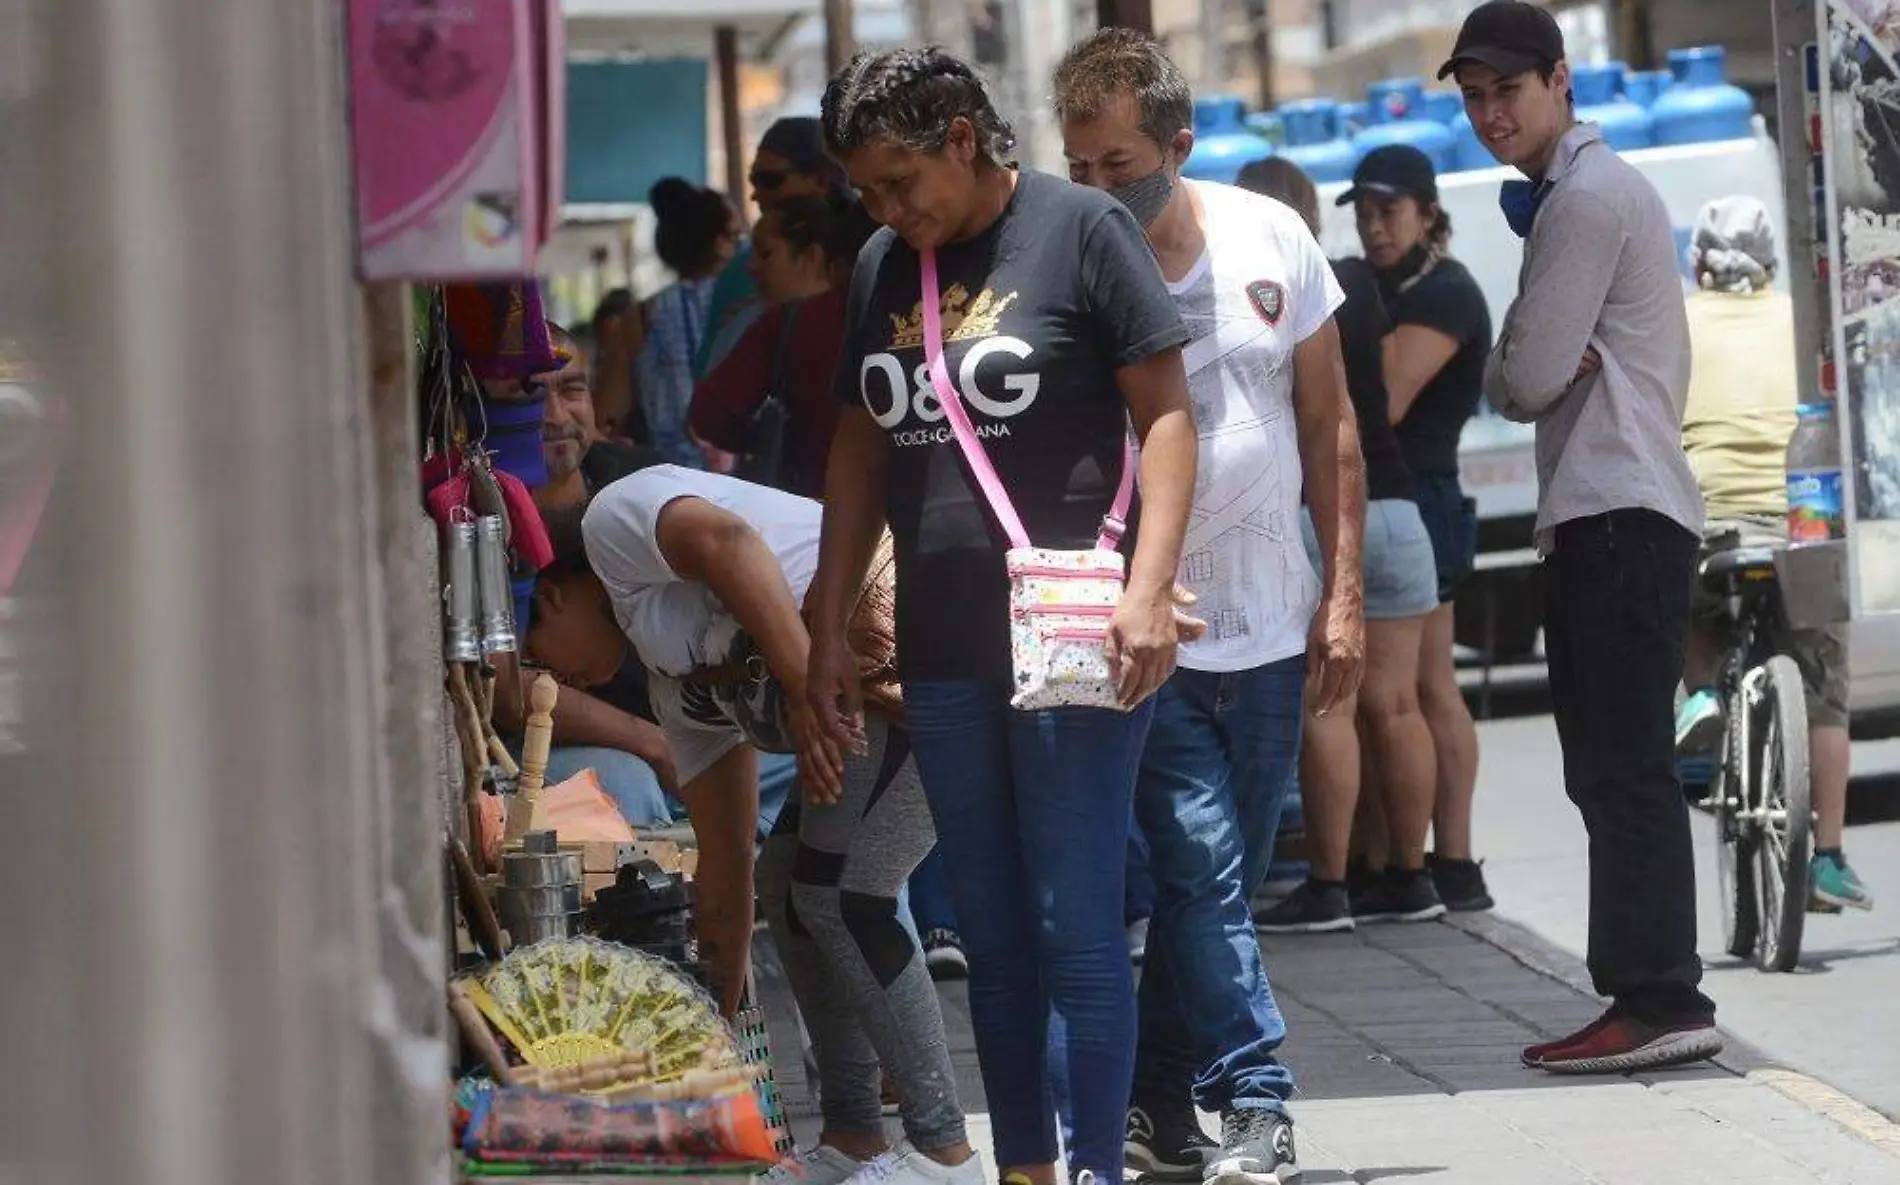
[1396, 170]
[1509, 36]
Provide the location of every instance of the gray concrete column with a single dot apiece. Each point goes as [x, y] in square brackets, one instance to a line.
[222, 890]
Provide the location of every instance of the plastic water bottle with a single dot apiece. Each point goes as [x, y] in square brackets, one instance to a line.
[1815, 510]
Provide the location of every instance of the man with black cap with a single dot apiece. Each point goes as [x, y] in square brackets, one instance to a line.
[1595, 352]
[790, 163]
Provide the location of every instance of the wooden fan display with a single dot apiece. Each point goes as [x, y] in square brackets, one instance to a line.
[581, 1002]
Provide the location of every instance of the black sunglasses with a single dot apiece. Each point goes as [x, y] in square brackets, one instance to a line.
[768, 179]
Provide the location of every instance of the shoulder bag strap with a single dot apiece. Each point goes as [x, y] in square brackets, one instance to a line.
[781, 346]
[1114, 524]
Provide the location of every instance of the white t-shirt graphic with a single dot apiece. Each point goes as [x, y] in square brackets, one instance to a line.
[1260, 288]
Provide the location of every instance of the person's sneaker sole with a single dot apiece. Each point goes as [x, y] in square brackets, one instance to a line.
[1670, 1049]
[1329, 926]
[1429, 913]
[1816, 893]
[1149, 1167]
[1232, 1173]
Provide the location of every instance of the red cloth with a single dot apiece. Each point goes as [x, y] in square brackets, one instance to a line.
[725, 400]
[446, 488]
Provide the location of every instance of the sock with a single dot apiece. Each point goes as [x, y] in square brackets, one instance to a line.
[1835, 854]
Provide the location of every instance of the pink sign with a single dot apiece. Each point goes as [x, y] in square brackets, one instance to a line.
[448, 107]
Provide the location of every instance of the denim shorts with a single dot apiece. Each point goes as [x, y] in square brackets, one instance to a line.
[1401, 574]
[1451, 519]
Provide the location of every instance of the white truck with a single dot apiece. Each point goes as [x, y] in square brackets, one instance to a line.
[1499, 613]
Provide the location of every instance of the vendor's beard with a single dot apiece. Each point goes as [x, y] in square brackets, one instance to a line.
[564, 461]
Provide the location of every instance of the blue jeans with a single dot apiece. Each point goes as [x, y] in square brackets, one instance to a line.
[930, 894]
[1032, 813]
[778, 773]
[628, 780]
[1222, 752]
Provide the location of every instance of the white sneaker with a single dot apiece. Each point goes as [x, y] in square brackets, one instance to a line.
[822, 1165]
[904, 1165]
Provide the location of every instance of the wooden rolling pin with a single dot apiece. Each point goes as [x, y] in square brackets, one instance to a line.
[536, 737]
[469, 1019]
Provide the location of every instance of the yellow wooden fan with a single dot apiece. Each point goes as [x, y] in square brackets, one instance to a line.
[567, 1001]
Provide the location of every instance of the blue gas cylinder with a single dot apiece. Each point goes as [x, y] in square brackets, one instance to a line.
[1700, 105]
[1469, 152]
[1444, 106]
[1397, 108]
[1599, 100]
[1644, 87]
[1354, 118]
[1222, 143]
[1313, 141]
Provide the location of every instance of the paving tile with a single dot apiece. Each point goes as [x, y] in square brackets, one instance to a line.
[1404, 1041]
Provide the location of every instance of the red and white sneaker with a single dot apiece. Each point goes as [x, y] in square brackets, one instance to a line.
[1616, 1043]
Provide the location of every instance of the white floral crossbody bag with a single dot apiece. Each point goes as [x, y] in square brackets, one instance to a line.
[1060, 602]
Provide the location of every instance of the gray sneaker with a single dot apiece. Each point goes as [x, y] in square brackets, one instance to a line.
[1256, 1148]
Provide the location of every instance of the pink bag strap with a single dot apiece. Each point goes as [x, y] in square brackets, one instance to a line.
[1114, 524]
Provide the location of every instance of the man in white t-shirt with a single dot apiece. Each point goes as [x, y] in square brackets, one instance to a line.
[1270, 400]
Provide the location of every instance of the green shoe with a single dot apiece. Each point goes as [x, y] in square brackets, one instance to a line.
[1832, 882]
[1699, 724]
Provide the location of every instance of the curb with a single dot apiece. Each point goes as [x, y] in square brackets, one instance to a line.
[1739, 1057]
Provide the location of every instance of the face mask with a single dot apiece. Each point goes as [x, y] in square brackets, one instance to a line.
[1146, 197]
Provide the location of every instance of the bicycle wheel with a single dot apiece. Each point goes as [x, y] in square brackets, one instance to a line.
[1735, 836]
[1779, 739]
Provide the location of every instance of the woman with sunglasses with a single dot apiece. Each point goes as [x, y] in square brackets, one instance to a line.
[790, 165]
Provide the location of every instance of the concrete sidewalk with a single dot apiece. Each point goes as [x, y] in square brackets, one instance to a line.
[1405, 1040]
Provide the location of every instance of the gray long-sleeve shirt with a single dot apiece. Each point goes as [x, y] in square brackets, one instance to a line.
[1599, 271]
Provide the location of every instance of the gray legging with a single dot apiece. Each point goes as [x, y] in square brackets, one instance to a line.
[830, 898]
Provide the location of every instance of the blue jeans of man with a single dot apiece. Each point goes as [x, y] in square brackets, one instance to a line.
[625, 778]
[1222, 751]
[636, 790]
[1032, 815]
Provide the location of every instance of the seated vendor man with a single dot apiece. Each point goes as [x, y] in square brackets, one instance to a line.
[609, 728]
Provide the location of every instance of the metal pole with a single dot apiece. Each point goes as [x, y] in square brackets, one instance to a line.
[1125, 14]
[841, 39]
[1260, 41]
[229, 947]
[726, 61]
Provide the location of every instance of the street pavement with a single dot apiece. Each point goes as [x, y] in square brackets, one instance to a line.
[1837, 1018]
[1405, 1040]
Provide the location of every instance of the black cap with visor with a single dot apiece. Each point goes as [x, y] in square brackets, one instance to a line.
[1509, 36]
[1394, 170]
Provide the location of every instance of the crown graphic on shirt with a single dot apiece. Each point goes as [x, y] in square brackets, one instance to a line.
[980, 318]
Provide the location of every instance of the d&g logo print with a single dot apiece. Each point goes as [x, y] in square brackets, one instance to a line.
[905, 404]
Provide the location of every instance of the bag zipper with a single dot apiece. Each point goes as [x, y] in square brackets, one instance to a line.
[1067, 611]
[1047, 573]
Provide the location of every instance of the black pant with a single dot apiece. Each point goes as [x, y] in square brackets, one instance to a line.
[1615, 617]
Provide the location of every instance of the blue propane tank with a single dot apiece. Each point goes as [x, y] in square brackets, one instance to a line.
[1354, 118]
[1644, 87]
[1397, 108]
[1700, 106]
[1625, 124]
[1468, 152]
[1313, 141]
[1222, 143]
[1444, 106]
